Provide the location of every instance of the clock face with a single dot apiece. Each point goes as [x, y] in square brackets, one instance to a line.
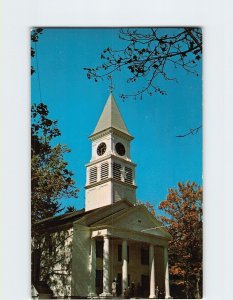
[120, 149]
[101, 149]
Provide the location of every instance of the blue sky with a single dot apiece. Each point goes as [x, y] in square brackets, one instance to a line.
[162, 159]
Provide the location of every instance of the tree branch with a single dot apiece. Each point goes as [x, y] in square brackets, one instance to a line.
[191, 132]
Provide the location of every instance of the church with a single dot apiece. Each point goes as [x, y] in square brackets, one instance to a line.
[113, 239]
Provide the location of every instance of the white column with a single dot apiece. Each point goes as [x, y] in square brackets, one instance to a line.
[124, 266]
[152, 271]
[106, 256]
[167, 287]
[92, 292]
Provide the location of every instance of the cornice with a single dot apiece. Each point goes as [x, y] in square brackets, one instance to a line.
[110, 130]
[115, 157]
[89, 186]
[130, 233]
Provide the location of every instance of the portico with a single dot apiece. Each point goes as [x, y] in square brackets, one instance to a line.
[128, 242]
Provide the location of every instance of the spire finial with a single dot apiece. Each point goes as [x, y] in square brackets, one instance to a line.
[111, 87]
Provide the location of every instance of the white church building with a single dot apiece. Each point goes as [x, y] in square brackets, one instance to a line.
[113, 238]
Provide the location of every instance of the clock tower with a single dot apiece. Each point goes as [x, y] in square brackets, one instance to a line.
[110, 172]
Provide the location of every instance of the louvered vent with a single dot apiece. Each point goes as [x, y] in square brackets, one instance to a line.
[128, 175]
[93, 175]
[104, 171]
[116, 171]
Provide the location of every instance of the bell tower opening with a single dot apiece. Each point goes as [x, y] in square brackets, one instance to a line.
[110, 172]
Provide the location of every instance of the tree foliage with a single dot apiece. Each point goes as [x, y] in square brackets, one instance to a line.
[70, 209]
[150, 54]
[35, 33]
[56, 261]
[183, 216]
[51, 261]
[148, 206]
[51, 180]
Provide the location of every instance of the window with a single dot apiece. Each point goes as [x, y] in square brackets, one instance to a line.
[93, 175]
[36, 259]
[99, 248]
[128, 175]
[104, 171]
[116, 171]
[120, 149]
[145, 256]
[120, 253]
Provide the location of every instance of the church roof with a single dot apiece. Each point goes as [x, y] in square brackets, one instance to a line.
[60, 219]
[69, 218]
[103, 216]
[111, 118]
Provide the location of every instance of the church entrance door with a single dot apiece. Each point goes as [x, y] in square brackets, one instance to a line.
[99, 282]
[145, 282]
[119, 284]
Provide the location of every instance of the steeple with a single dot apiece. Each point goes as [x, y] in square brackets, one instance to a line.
[110, 172]
[111, 118]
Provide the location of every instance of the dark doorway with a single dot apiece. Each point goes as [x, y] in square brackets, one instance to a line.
[119, 284]
[99, 282]
[145, 285]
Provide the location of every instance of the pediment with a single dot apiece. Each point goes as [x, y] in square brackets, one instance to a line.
[136, 218]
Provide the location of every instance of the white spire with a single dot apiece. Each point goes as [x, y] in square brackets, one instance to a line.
[111, 118]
